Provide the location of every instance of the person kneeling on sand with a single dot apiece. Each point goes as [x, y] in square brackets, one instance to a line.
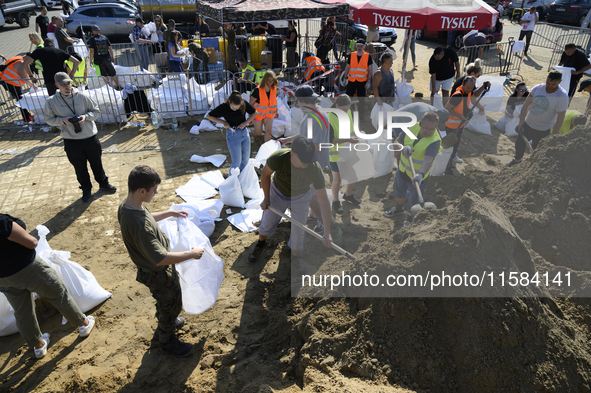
[295, 170]
[423, 154]
[149, 249]
[23, 272]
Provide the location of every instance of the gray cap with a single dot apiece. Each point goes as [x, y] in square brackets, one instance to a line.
[305, 91]
[95, 28]
[61, 78]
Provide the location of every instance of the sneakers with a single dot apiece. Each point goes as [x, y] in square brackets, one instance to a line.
[177, 348]
[319, 226]
[86, 195]
[84, 331]
[457, 159]
[41, 352]
[513, 162]
[310, 218]
[179, 322]
[258, 249]
[336, 206]
[351, 199]
[394, 212]
[108, 188]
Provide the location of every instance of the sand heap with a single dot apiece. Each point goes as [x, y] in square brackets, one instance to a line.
[531, 217]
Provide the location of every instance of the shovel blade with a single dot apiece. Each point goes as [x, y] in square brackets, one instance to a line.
[417, 208]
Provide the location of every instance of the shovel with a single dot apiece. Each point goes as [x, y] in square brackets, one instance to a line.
[311, 232]
[529, 147]
[422, 204]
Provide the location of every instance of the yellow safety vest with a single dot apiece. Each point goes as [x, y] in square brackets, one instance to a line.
[37, 63]
[252, 70]
[418, 154]
[333, 153]
[79, 74]
[258, 76]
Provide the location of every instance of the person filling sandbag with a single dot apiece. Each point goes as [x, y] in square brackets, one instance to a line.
[295, 170]
[23, 272]
[149, 249]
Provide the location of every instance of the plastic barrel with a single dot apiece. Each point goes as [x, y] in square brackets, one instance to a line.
[241, 46]
[256, 45]
[275, 45]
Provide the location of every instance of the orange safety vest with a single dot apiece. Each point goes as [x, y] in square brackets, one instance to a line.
[358, 71]
[10, 75]
[454, 122]
[314, 64]
[267, 105]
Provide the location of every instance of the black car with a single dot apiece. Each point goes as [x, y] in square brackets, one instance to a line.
[569, 11]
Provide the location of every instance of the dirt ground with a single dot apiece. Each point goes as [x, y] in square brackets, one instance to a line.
[258, 338]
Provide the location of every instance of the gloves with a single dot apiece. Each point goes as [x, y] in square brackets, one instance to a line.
[418, 178]
[407, 151]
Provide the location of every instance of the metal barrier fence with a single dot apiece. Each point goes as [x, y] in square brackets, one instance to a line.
[170, 94]
[582, 40]
[496, 58]
[545, 34]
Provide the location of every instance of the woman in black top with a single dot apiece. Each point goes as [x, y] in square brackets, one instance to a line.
[517, 98]
[233, 110]
[23, 272]
[290, 43]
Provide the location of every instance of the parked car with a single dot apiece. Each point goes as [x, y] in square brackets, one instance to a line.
[569, 11]
[497, 33]
[115, 20]
[129, 3]
[388, 35]
[543, 6]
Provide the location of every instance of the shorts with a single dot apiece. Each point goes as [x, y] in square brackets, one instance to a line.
[445, 84]
[268, 115]
[107, 68]
[333, 166]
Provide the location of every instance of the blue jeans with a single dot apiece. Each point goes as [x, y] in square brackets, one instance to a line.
[143, 54]
[239, 145]
[402, 189]
[175, 66]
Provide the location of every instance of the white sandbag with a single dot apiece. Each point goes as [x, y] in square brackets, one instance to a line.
[7, 319]
[356, 167]
[111, 104]
[198, 97]
[198, 217]
[249, 181]
[215, 159]
[81, 284]
[170, 228]
[206, 125]
[80, 48]
[384, 159]
[493, 100]
[518, 46]
[231, 191]
[479, 124]
[383, 110]
[266, 150]
[440, 163]
[196, 188]
[325, 102]
[437, 101]
[34, 102]
[200, 279]
[282, 123]
[512, 123]
[245, 220]
[168, 102]
[566, 75]
[220, 96]
[213, 178]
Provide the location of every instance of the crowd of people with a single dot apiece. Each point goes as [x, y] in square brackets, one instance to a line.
[293, 177]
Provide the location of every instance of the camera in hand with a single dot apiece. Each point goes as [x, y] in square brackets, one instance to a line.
[76, 123]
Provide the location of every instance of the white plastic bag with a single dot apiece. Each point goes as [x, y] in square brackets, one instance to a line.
[213, 178]
[200, 279]
[7, 319]
[266, 150]
[81, 284]
[440, 162]
[231, 191]
[512, 123]
[375, 114]
[479, 124]
[249, 181]
[384, 159]
[437, 101]
[198, 216]
[196, 189]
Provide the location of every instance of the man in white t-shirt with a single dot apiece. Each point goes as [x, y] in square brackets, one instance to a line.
[528, 21]
[542, 112]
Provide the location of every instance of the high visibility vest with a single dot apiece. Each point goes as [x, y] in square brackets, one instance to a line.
[313, 64]
[418, 154]
[454, 122]
[258, 76]
[333, 152]
[10, 75]
[252, 70]
[79, 74]
[358, 70]
[37, 63]
[266, 105]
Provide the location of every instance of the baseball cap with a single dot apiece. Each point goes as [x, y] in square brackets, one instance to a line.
[61, 78]
[305, 91]
[140, 20]
[442, 114]
[361, 41]
[584, 84]
[305, 150]
[95, 28]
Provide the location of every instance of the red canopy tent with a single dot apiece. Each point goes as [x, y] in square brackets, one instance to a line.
[416, 14]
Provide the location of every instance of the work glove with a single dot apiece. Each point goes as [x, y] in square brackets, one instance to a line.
[407, 151]
[418, 178]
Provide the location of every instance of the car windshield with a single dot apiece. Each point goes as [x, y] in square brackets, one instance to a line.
[566, 2]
